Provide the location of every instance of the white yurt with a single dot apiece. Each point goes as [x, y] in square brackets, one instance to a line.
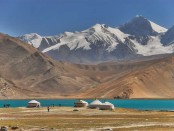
[81, 103]
[33, 103]
[95, 104]
[107, 106]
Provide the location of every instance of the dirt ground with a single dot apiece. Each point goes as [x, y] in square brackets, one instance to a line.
[64, 118]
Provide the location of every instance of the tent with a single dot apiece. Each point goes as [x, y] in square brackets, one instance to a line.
[81, 103]
[95, 104]
[107, 106]
[102, 106]
[33, 103]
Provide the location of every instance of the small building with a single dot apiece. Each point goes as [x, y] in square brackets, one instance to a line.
[95, 104]
[81, 103]
[106, 106]
[33, 103]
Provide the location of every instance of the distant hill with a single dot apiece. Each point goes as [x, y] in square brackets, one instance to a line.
[147, 79]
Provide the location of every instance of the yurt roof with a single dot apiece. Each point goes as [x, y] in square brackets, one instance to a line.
[83, 101]
[96, 102]
[108, 103]
[34, 101]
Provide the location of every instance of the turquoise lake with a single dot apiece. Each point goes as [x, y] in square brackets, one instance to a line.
[133, 104]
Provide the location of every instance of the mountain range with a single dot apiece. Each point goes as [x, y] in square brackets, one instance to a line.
[135, 39]
[134, 60]
[26, 73]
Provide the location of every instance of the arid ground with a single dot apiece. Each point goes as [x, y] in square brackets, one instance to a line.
[64, 118]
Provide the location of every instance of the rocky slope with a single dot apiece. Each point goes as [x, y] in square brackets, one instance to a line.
[25, 72]
[137, 38]
[153, 80]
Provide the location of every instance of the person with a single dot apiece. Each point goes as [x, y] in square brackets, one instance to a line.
[48, 108]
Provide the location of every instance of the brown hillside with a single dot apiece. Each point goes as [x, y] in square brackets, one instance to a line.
[27, 73]
[156, 80]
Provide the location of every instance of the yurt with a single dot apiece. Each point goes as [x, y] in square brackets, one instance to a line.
[95, 104]
[81, 103]
[106, 106]
[33, 103]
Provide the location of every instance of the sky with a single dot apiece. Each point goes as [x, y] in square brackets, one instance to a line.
[52, 17]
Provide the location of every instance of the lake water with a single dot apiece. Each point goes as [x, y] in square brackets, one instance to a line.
[134, 104]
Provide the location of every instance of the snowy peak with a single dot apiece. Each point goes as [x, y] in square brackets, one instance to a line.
[98, 28]
[157, 28]
[97, 35]
[32, 38]
[141, 26]
[103, 30]
[67, 33]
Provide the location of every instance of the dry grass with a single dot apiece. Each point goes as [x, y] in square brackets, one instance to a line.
[64, 118]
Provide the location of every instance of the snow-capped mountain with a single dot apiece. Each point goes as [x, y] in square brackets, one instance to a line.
[33, 39]
[139, 37]
[141, 26]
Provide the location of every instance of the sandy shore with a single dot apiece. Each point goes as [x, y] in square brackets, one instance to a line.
[64, 118]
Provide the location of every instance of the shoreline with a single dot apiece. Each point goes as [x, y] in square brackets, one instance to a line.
[88, 99]
[135, 104]
[65, 118]
[145, 110]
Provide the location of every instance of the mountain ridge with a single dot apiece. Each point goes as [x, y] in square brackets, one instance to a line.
[138, 37]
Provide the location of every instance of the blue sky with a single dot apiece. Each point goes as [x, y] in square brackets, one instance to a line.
[51, 17]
